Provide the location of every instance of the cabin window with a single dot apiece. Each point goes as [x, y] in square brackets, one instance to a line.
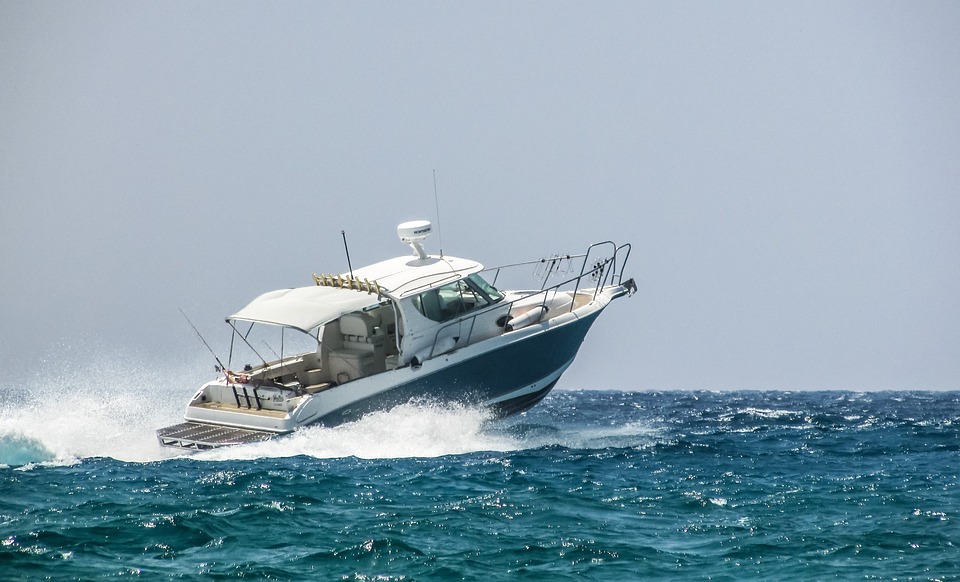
[454, 299]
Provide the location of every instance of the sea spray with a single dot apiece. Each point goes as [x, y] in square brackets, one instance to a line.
[110, 405]
[97, 405]
[17, 449]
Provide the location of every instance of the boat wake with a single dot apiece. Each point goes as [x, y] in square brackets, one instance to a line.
[112, 411]
[409, 430]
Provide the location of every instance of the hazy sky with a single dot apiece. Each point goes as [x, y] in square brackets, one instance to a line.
[787, 172]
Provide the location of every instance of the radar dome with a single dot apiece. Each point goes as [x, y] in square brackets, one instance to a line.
[413, 233]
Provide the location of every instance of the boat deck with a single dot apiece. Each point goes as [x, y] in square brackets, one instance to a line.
[234, 408]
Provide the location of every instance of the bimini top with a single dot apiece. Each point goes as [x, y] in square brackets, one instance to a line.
[304, 308]
[405, 276]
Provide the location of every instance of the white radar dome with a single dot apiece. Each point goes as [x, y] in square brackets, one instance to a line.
[413, 233]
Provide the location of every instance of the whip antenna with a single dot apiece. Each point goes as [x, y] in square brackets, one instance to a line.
[347, 250]
[436, 201]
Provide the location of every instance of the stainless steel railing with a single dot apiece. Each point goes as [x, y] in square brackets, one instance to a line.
[607, 269]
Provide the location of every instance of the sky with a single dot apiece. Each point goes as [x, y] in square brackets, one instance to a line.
[788, 174]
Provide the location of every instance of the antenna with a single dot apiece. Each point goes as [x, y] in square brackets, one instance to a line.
[343, 233]
[436, 201]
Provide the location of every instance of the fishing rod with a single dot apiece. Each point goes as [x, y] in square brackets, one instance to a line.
[222, 368]
[269, 347]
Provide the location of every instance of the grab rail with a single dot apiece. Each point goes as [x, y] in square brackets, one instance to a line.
[599, 272]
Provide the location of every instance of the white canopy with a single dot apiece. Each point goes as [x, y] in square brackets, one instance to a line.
[304, 308]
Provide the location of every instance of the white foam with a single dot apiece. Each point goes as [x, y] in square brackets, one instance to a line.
[106, 407]
[409, 430]
[112, 405]
[431, 430]
[629, 435]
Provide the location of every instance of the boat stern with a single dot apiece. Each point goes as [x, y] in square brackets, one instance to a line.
[223, 413]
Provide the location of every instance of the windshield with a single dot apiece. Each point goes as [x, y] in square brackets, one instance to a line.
[486, 288]
[457, 298]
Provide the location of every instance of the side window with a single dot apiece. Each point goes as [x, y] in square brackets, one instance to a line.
[428, 304]
[465, 299]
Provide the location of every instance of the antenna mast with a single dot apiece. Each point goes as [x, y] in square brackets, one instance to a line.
[436, 201]
[343, 233]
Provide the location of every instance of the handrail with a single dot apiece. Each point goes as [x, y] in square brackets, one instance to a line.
[535, 261]
[623, 265]
[600, 265]
[554, 260]
[604, 271]
[408, 288]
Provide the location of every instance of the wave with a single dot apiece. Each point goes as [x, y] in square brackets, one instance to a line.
[105, 407]
[109, 407]
[425, 430]
[17, 449]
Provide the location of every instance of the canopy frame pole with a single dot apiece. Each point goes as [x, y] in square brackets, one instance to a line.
[249, 345]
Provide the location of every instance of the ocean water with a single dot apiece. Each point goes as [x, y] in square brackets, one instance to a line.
[588, 485]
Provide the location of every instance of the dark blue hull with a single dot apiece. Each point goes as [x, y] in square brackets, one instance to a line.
[486, 377]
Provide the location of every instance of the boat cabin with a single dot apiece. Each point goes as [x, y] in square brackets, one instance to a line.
[396, 313]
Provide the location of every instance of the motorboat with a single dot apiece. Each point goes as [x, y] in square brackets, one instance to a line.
[428, 328]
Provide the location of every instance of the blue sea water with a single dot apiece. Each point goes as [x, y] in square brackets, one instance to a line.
[588, 485]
